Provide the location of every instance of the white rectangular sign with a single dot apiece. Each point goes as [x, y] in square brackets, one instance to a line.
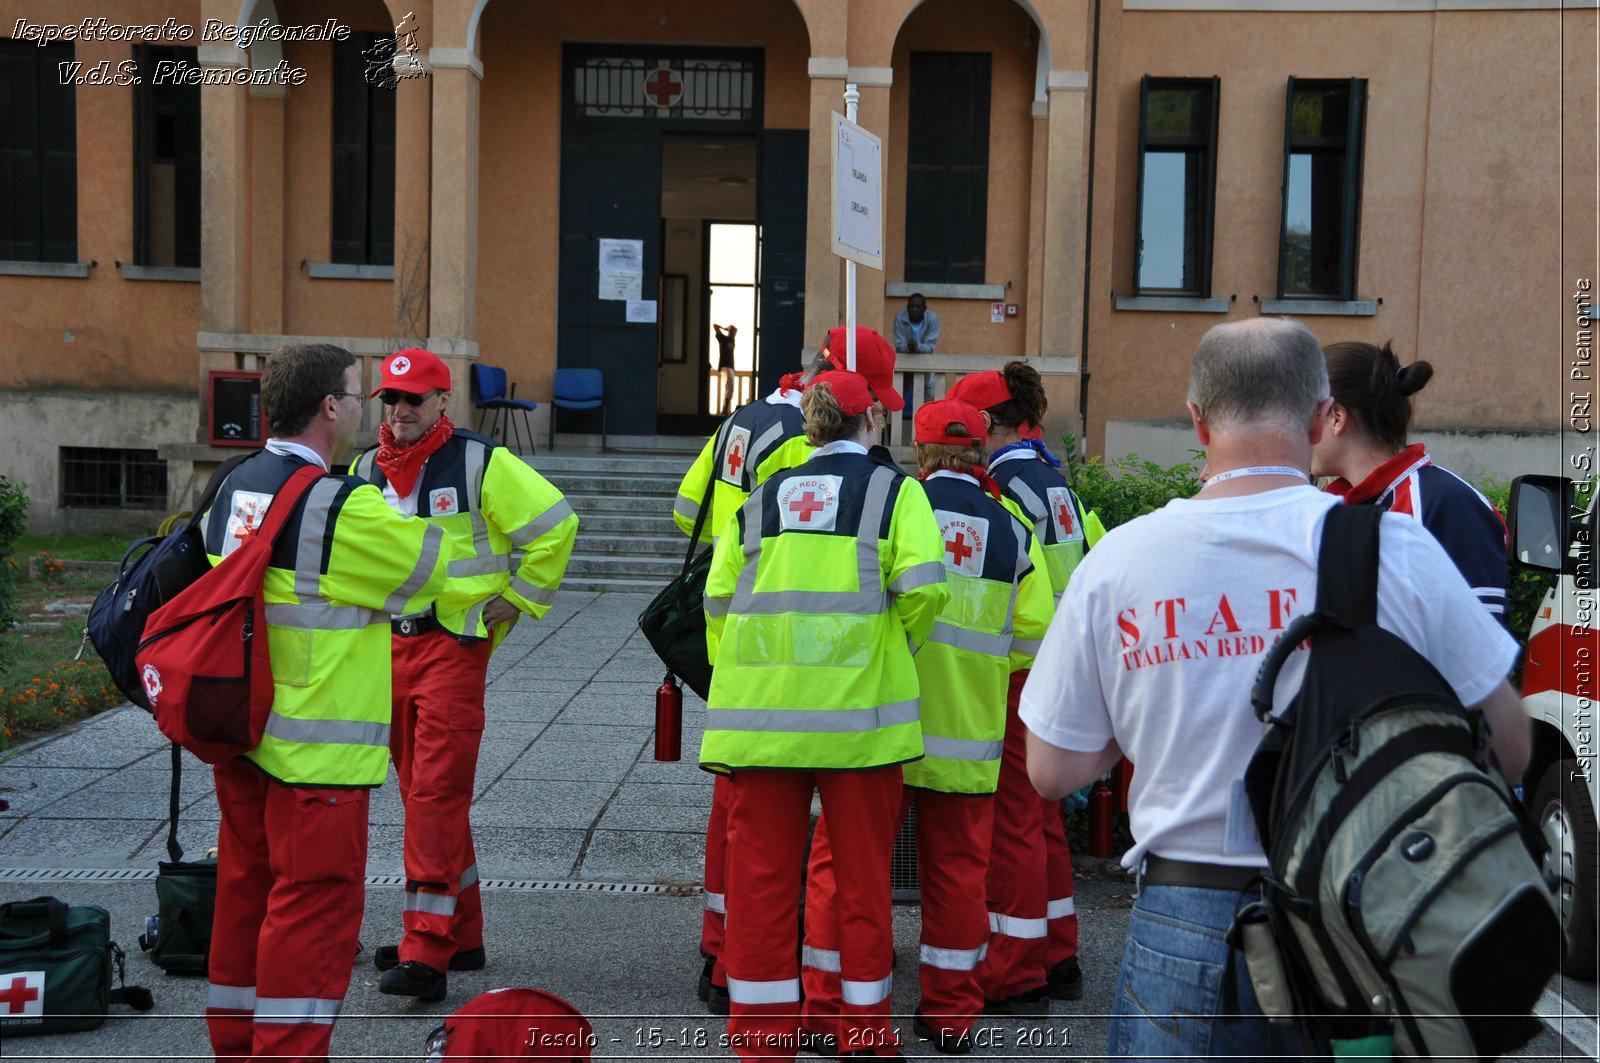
[857, 193]
[622, 255]
[621, 284]
[640, 311]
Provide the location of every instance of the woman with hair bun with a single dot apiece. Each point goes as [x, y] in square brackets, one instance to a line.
[1364, 448]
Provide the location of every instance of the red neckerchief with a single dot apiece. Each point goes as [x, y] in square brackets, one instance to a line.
[979, 473]
[1382, 478]
[402, 467]
[790, 382]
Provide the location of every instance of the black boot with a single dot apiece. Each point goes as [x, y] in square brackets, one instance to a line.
[1033, 1004]
[387, 958]
[413, 979]
[1065, 980]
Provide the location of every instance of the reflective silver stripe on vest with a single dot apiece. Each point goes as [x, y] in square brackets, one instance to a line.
[1014, 927]
[866, 994]
[961, 748]
[929, 572]
[430, 903]
[322, 616]
[313, 533]
[432, 542]
[954, 959]
[782, 991]
[476, 455]
[820, 959]
[868, 599]
[474, 618]
[813, 721]
[469, 877]
[758, 450]
[1027, 646]
[297, 1010]
[365, 463]
[717, 902]
[327, 732]
[531, 592]
[1060, 908]
[232, 997]
[948, 634]
[684, 506]
[540, 526]
[466, 567]
[1028, 499]
[717, 606]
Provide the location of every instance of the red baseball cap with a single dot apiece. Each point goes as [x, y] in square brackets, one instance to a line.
[414, 370]
[850, 390]
[950, 421]
[874, 360]
[984, 390]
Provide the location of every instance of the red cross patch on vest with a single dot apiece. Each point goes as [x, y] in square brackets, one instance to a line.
[443, 502]
[736, 455]
[809, 503]
[1063, 515]
[248, 509]
[966, 541]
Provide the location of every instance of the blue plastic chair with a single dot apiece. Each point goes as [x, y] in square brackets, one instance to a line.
[579, 389]
[490, 396]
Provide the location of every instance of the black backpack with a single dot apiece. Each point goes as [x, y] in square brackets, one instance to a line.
[153, 571]
[675, 621]
[1404, 896]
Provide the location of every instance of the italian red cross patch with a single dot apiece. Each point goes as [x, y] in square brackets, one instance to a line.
[1064, 515]
[736, 455]
[443, 502]
[966, 541]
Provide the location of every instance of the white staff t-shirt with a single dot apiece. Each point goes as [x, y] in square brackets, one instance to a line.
[1165, 622]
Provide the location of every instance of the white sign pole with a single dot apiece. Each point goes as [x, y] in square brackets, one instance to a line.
[852, 96]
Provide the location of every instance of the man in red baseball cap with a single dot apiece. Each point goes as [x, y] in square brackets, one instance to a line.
[874, 360]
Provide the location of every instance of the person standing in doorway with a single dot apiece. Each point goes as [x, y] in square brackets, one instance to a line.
[725, 367]
[916, 331]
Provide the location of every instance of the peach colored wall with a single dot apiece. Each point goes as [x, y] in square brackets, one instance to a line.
[1440, 186]
[998, 27]
[1581, 179]
[520, 134]
[103, 330]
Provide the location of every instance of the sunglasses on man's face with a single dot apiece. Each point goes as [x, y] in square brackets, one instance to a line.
[390, 396]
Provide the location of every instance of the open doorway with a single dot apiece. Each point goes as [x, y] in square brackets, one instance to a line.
[731, 350]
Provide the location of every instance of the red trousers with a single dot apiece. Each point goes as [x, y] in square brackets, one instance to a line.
[1031, 915]
[769, 815]
[952, 858]
[714, 920]
[438, 724]
[291, 878]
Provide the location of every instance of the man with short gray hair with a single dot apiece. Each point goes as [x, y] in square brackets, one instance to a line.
[1152, 654]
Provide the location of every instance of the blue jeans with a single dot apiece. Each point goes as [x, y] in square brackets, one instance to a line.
[1169, 1000]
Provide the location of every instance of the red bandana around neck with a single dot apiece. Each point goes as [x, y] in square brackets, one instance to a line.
[402, 467]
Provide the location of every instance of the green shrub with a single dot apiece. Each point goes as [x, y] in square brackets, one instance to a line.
[1130, 487]
[13, 514]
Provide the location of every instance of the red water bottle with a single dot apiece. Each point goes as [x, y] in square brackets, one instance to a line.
[1100, 802]
[669, 719]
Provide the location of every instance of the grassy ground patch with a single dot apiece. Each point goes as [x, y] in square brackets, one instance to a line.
[42, 687]
[78, 547]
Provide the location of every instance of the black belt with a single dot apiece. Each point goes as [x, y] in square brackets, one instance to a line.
[1160, 871]
[415, 625]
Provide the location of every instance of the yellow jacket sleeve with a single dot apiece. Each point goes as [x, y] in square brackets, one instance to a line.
[692, 491]
[381, 560]
[914, 568]
[1093, 530]
[529, 510]
[786, 455]
[727, 561]
[1035, 608]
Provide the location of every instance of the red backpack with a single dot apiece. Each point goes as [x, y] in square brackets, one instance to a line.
[513, 1024]
[203, 660]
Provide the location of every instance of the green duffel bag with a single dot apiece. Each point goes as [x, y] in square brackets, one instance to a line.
[56, 966]
[178, 936]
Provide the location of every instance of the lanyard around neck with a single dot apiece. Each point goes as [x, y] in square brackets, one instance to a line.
[1257, 470]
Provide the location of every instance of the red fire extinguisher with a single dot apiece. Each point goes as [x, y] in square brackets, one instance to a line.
[1100, 804]
[1122, 778]
[669, 719]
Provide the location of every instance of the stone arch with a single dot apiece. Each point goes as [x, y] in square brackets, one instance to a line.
[1041, 77]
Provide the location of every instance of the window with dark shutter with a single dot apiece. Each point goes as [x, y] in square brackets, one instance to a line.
[363, 159]
[166, 162]
[1177, 185]
[1324, 123]
[947, 168]
[38, 154]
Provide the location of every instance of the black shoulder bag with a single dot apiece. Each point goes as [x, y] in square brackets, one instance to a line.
[675, 621]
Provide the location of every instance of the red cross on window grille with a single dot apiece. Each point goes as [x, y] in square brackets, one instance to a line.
[735, 457]
[18, 995]
[663, 87]
[958, 548]
[1064, 515]
[806, 505]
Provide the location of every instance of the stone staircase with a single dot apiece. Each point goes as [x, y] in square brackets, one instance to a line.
[626, 538]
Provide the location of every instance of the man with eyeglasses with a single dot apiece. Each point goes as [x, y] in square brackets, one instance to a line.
[513, 534]
[292, 845]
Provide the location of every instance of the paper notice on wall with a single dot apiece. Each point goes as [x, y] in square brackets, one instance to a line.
[997, 313]
[620, 284]
[641, 311]
[622, 255]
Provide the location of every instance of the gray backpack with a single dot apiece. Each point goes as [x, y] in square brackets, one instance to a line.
[1404, 895]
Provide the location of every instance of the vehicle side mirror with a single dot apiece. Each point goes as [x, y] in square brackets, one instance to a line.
[1540, 522]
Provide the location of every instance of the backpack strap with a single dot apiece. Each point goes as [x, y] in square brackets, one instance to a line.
[214, 485]
[174, 850]
[286, 499]
[1347, 565]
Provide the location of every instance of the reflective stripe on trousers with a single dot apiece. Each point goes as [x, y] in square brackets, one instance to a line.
[783, 991]
[231, 997]
[1016, 927]
[297, 1009]
[820, 959]
[866, 994]
[430, 903]
[716, 902]
[954, 959]
[1060, 908]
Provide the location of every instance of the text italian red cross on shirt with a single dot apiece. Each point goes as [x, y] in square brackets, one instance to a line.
[664, 87]
[806, 505]
[958, 548]
[18, 995]
[736, 457]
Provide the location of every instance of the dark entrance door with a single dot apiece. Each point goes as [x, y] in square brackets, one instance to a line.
[782, 212]
[610, 189]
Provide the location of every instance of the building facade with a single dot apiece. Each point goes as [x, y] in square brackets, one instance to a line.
[1087, 184]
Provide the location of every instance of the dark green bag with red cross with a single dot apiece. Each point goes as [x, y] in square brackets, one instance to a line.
[56, 967]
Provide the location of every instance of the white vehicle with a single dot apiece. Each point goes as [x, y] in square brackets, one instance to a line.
[1561, 691]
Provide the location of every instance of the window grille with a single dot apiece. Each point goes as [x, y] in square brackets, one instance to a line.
[106, 478]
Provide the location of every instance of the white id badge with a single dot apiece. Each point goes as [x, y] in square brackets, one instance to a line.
[1241, 838]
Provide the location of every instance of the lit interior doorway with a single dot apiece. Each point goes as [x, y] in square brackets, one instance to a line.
[730, 310]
